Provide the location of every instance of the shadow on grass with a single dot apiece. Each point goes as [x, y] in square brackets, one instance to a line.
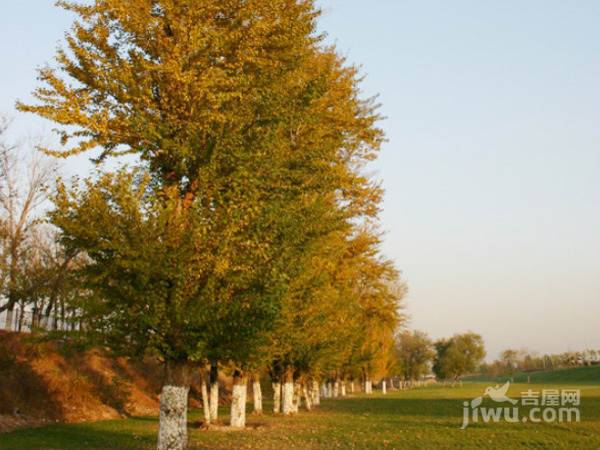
[90, 436]
[395, 406]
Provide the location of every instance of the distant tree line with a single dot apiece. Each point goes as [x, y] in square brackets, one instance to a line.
[512, 361]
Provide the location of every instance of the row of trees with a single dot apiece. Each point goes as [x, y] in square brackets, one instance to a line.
[512, 361]
[245, 233]
[34, 283]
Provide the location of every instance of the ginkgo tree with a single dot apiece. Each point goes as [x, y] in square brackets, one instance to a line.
[239, 117]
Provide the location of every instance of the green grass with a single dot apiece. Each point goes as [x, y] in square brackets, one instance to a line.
[427, 418]
[579, 375]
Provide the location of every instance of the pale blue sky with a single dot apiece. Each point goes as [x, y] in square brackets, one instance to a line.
[492, 169]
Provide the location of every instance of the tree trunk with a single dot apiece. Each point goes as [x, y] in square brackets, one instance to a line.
[307, 399]
[238, 401]
[343, 388]
[205, 403]
[336, 388]
[383, 387]
[316, 400]
[21, 318]
[287, 394]
[9, 319]
[296, 397]
[46, 314]
[352, 387]
[287, 397]
[329, 390]
[172, 431]
[257, 396]
[276, 397]
[214, 391]
[368, 386]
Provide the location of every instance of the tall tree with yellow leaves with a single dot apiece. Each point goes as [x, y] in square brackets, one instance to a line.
[237, 112]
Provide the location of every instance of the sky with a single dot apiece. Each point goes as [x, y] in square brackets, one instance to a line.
[492, 165]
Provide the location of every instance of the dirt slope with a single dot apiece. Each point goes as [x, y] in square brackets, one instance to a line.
[47, 382]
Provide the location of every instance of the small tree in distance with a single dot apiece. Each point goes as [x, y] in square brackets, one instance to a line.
[457, 356]
[415, 353]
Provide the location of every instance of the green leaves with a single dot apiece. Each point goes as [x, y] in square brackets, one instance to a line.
[459, 355]
[252, 208]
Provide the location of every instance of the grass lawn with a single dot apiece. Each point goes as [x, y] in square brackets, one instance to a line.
[427, 418]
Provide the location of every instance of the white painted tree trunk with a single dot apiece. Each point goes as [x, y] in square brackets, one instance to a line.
[257, 397]
[307, 397]
[172, 431]
[287, 398]
[343, 388]
[296, 397]
[316, 395]
[276, 397]
[368, 386]
[9, 319]
[214, 401]
[324, 390]
[383, 387]
[214, 390]
[336, 389]
[352, 387]
[205, 404]
[238, 403]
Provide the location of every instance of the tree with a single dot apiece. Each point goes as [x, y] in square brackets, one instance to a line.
[238, 115]
[415, 354]
[510, 357]
[457, 356]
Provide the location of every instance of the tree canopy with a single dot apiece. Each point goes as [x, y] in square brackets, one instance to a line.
[247, 230]
[459, 355]
[415, 354]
